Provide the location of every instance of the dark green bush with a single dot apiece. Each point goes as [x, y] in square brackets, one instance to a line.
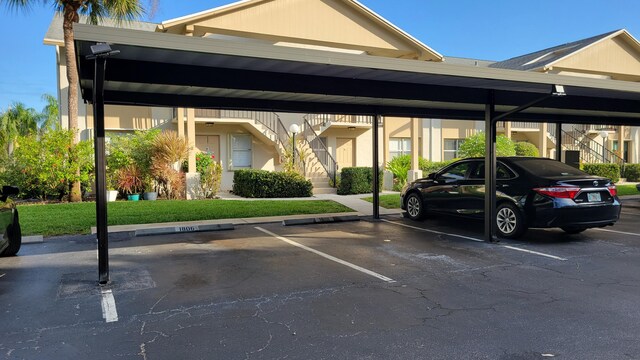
[526, 149]
[610, 171]
[429, 167]
[357, 180]
[632, 172]
[266, 184]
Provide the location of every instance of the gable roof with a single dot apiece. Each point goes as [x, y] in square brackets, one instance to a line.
[544, 58]
[362, 9]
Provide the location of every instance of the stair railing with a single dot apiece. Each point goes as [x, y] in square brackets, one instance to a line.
[320, 150]
[590, 150]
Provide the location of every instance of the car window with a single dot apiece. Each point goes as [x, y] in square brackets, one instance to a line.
[546, 167]
[502, 172]
[456, 172]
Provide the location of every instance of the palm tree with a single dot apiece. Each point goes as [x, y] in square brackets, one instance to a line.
[18, 120]
[49, 117]
[95, 10]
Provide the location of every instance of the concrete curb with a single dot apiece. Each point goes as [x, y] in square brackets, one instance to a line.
[320, 220]
[33, 239]
[183, 229]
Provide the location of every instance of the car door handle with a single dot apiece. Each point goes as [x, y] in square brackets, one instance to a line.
[504, 185]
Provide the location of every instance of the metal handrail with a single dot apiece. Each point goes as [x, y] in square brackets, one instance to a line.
[590, 150]
[320, 150]
[323, 119]
[268, 119]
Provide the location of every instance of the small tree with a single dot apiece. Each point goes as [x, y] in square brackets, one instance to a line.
[210, 174]
[474, 146]
[526, 149]
[295, 162]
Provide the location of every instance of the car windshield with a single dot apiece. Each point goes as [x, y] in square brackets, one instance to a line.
[548, 168]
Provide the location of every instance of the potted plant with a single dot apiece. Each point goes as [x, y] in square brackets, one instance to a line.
[130, 182]
[150, 192]
[112, 193]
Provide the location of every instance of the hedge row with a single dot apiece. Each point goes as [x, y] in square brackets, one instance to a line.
[632, 172]
[266, 184]
[357, 180]
[609, 171]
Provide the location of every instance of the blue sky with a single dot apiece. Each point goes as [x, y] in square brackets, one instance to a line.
[489, 30]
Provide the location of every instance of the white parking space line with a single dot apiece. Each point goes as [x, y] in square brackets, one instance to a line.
[477, 240]
[109, 311]
[534, 252]
[629, 213]
[1, 275]
[433, 231]
[618, 232]
[327, 256]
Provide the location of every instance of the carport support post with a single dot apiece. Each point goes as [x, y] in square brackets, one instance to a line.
[377, 119]
[101, 178]
[490, 170]
[559, 141]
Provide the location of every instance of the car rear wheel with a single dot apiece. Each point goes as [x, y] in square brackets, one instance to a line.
[510, 223]
[15, 237]
[573, 230]
[415, 207]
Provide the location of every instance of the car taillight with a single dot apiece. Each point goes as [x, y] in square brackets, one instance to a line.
[563, 192]
[612, 190]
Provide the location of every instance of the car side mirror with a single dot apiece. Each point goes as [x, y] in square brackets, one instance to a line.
[432, 176]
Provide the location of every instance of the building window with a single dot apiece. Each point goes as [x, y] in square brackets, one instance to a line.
[240, 151]
[399, 146]
[451, 147]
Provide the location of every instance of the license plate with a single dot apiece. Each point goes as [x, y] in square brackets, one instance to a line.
[594, 197]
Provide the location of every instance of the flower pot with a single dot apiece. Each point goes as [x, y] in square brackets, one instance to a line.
[112, 195]
[133, 197]
[151, 195]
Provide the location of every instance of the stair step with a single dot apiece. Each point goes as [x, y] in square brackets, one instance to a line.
[329, 190]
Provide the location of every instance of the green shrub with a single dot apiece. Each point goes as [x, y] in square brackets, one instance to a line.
[474, 146]
[610, 171]
[44, 166]
[266, 184]
[357, 180]
[632, 172]
[429, 167]
[210, 174]
[526, 149]
[399, 166]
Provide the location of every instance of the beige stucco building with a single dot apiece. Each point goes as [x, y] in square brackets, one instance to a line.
[247, 139]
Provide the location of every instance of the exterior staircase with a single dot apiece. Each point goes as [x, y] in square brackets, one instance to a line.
[318, 165]
[591, 151]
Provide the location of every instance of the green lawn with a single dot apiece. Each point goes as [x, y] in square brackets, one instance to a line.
[78, 218]
[389, 201]
[627, 190]
[392, 201]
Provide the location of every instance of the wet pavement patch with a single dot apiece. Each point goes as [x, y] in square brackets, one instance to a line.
[75, 285]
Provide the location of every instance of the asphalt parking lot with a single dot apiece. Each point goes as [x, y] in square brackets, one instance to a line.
[393, 289]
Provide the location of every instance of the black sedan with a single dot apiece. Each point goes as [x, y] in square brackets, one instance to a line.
[9, 223]
[531, 193]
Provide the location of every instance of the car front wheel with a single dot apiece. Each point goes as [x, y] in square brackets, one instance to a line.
[415, 207]
[510, 223]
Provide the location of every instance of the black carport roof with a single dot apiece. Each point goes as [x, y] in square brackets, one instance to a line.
[174, 70]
